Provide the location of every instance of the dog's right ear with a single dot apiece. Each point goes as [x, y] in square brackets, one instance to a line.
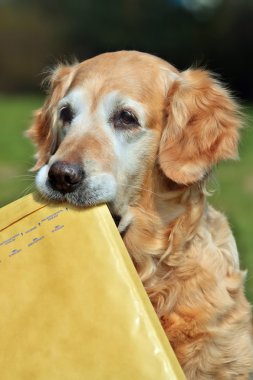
[43, 130]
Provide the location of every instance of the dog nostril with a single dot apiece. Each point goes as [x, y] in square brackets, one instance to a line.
[73, 177]
[65, 177]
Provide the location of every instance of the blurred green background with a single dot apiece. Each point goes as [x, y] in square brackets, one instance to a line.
[217, 34]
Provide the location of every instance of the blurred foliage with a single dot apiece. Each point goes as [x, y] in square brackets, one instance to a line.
[37, 33]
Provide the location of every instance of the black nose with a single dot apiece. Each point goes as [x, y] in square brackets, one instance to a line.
[65, 177]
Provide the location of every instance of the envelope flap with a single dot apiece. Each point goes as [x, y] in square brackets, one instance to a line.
[19, 209]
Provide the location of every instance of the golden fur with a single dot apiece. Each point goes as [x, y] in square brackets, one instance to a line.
[183, 249]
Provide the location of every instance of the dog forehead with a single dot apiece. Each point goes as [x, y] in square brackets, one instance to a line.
[138, 75]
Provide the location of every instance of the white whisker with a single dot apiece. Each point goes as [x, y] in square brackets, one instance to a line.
[27, 190]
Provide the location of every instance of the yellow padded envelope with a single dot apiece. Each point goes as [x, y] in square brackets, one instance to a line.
[72, 305]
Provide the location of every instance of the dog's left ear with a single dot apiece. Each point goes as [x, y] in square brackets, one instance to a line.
[202, 127]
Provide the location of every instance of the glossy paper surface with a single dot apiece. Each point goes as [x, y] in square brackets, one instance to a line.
[72, 305]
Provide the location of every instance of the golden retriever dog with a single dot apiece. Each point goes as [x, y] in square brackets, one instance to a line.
[130, 130]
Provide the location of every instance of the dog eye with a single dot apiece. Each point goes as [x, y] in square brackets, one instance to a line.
[125, 118]
[128, 117]
[66, 114]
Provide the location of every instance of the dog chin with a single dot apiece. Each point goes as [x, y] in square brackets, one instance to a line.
[101, 189]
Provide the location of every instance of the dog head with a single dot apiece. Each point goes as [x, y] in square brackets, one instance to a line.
[108, 121]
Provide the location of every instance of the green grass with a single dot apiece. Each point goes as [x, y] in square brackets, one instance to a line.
[234, 196]
[233, 182]
[16, 152]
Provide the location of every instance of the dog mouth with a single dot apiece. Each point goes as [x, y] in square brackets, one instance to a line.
[75, 188]
[89, 191]
[84, 197]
